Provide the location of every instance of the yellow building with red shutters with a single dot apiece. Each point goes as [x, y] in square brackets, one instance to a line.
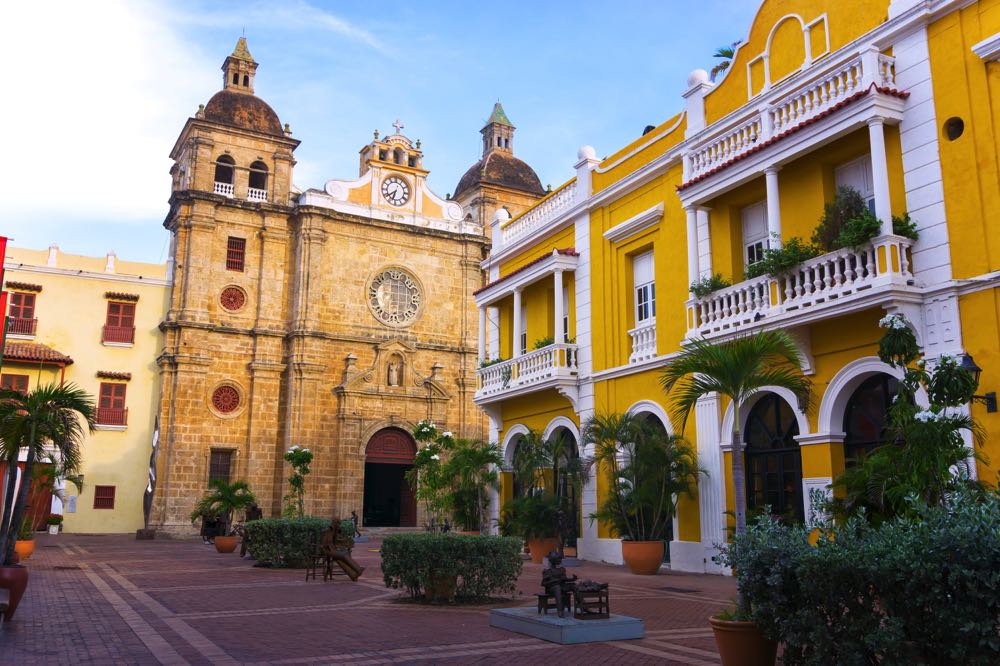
[589, 290]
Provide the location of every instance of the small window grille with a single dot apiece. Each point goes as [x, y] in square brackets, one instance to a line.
[236, 250]
[220, 465]
[104, 497]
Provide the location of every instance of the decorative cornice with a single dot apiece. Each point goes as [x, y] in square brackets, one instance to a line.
[109, 374]
[120, 296]
[635, 224]
[989, 48]
[565, 252]
[11, 265]
[23, 286]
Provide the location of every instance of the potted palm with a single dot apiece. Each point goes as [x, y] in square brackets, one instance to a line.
[648, 469]
[54, 522]
[535, 519]
[223, 500]
[737, 369]
[472, 471]
[53, 417]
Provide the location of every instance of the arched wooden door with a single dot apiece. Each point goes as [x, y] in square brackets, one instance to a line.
[388, 500]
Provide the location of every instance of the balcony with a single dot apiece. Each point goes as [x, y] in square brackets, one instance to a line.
[254, 194]
[225, 189]
[112, 416]
[829, 285]
[118, 335]
[21, 326]
[553, 366]
[643, 342]
[535, 218]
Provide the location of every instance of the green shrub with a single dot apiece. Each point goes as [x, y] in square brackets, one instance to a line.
[847, 204]
[904, 226]
[778, 261]
[706, 285]
[541, 343]
[858, 231]
[283, 542]
[484, 565]
[912, 590]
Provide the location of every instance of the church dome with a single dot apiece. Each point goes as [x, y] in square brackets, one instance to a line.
[243, 110]
[502, 169]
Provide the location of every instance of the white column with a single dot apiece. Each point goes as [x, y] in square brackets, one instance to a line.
[711, 488]
[560, 309]
[773, 209]
[516, 346]
[482, 333]
[692, 232]
[704, 242]
[880, 173]
[493, 330]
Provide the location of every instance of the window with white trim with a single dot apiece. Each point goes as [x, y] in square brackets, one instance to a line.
[645, 288]
[754, 233]
[565, 321]
[522, 338]
[857, 174]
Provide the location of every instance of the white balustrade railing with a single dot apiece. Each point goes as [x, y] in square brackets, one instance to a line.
[643, 342]
[813, 284]
[254, 194]
[553, 361]
[225, 189]
[536, 218]
[816, 90]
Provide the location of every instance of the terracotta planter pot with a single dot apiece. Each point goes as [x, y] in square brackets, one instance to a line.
[15, 579]
[742, 644]
[441, 588]
[225, 544]
[24, 548]
[643, 557]
[539, 548]
[470, 532]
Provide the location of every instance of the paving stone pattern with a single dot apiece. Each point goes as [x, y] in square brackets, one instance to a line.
[114, 600]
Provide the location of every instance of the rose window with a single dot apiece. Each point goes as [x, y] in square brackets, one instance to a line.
[232, 298]
[394, 297]
[226, 399]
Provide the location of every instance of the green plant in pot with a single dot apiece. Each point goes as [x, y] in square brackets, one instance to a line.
[52, 418]
[535, 519]
[737, 369]
[471, 470]
[647, 468]
[224, 500]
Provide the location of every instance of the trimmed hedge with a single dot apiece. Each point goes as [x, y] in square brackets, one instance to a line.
[282, 542]
[484, 565]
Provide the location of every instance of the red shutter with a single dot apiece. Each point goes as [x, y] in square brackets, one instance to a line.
[236, 250]
[111, 404]
[22, 306]
[104, 497]
[14, 382]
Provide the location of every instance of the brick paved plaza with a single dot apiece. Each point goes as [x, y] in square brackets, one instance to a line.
[111, 599]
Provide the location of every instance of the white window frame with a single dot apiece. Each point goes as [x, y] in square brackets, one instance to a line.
[523, 336]
[754, 244]
[644, 292]
[849, 174]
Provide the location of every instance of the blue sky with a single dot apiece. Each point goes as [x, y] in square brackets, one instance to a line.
[103, 88]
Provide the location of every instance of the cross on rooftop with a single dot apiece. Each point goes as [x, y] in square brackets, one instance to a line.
[398, 125]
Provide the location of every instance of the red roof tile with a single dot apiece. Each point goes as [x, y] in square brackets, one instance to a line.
[568, 252]
[34, 352]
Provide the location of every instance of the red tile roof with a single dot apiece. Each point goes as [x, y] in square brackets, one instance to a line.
[33, 352]
[568, 252]
[805, 123]
[110, 374]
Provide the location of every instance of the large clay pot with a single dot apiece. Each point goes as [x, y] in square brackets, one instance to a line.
[24, 548]
[643, 557]
[742, 643]
[15, 579]
[225, 544]
[441, 588]
[539, 548]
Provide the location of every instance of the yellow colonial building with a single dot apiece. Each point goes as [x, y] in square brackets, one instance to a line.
[590, 290]
[93, 322]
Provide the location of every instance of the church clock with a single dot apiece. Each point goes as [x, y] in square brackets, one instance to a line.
[395, 190]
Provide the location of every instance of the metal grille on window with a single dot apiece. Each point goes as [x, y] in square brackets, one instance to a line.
[236, 250]
[104, 497]
[219, 465]
[226, 399]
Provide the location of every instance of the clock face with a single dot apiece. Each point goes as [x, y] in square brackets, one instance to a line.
[395, 190]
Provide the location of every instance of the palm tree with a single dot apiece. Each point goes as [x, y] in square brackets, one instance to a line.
[472, 469]
[52, 418]
[726, 53]
[534, 454]
[737, 369]
[223, 500]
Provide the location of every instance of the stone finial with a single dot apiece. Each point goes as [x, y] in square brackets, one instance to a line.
[436, 371]
[288, 129]
[376, 135]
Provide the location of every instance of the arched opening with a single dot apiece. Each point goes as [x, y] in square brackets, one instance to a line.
[567, 474]
[388, 498]
[399, 157]
[258, 176]
[773, 458]
[236, 78]
[866, 418]
[246, 81]
[225, 168]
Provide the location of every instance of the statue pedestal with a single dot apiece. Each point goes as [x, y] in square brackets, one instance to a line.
[566, 630]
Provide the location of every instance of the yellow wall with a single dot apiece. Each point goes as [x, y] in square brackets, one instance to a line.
[71, 311]
[559, 241]
[980, 317]
[647, 148]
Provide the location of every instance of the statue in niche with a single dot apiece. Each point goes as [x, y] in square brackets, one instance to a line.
[394, 372]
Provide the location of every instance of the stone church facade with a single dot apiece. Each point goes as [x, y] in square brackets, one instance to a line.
[332, 318]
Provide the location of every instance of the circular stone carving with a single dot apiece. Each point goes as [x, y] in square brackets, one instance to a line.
[233, 298]
[395, 296]
[226, 399]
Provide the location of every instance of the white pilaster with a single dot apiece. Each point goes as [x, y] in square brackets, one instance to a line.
[694, 96]
[516, 346]
[587, 162]
[493, 317]
[711, 487]
[692, 240]
[482, 333]
[773, 207]
[560, 308]
[704, 242]
[880, 173]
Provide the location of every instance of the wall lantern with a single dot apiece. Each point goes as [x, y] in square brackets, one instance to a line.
[988, 399]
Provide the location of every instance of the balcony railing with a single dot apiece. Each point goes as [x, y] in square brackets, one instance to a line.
[643, 342]
[225, 189]
[254, 194]
[552, 362]
[118, 334]
[817, 283]
[20, 326]
[114, 416]
[537, 217]
[827, 84]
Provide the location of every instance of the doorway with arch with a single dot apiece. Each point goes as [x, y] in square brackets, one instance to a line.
[389, 500]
